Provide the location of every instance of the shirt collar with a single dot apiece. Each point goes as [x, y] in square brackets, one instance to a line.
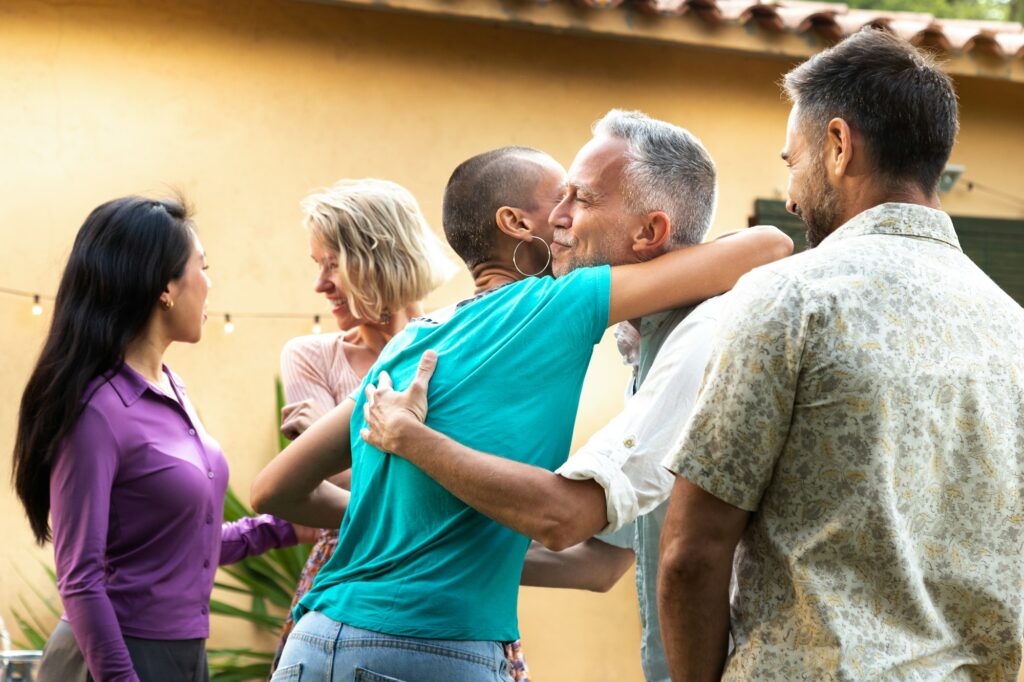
[902, 220]
[628, 337]
[651, 323]
[130, 385]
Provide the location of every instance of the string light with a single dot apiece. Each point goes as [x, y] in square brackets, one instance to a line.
[229, 325]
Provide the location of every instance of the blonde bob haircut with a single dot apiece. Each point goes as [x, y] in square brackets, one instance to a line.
[388, 257]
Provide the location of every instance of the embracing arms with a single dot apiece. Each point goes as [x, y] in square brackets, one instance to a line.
[477, 478]
[293, 486]
[591, 565]
[550, 508]
[690, 275]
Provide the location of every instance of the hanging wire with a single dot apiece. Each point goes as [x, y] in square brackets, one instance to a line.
[1006, 196]
[37, 300]
[25, 294]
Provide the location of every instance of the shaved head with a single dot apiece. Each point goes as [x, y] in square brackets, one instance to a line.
[478, 188]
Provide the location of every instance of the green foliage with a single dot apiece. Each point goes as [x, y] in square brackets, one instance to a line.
[267, 580]
[35, 629]
[993, 10]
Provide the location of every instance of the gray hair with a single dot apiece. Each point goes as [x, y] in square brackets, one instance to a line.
[667, 169]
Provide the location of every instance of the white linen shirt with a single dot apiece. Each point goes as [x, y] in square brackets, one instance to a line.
[624, 457]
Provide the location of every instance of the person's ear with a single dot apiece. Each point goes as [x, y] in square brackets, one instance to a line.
[170, 293]
[652, 235]
[839, 148]
[510, 222]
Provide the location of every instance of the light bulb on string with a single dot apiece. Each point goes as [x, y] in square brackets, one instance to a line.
[316, 324]
[229, 326]
[37, 307]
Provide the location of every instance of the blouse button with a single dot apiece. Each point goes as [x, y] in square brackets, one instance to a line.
[191, 432]
[206, 563]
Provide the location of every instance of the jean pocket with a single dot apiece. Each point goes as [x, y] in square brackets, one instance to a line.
[292, 673]
[364, 675]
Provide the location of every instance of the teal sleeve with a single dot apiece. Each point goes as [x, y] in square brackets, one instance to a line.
[583, 298]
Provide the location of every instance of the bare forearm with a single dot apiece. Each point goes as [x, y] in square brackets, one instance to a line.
[323, 507]
[293, 485]
[533, 501]
[693, 606]
[698, 540]
[688, 276]
[591, 565]
[342, 480]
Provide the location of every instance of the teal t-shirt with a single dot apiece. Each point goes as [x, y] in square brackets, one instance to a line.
[412, 559]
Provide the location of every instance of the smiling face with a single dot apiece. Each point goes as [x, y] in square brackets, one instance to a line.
[591, 224]
[331, 284]
[811, 197]
[189, 293]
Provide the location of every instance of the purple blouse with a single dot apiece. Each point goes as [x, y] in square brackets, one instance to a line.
[137, 501]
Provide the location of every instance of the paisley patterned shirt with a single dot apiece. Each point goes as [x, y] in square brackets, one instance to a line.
[865, 401]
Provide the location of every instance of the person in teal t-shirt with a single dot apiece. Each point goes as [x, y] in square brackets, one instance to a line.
[421, 586]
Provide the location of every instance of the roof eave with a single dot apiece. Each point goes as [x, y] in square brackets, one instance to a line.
[685, 28]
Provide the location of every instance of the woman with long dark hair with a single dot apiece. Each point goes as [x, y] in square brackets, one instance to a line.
[110, 447]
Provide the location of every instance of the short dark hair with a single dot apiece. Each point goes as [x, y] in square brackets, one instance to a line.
[892, 93]
[478, 188]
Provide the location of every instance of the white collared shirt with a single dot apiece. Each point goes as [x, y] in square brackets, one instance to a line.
[625, 456]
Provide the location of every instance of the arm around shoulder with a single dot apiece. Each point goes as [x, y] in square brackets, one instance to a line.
[689, 275]
[293, 486]
[590, 565]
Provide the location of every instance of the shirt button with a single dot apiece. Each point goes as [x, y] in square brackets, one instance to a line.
[206, 563]
[209, 474]
[629, 442]
[209, 519]
[203, 610]
[191, 432]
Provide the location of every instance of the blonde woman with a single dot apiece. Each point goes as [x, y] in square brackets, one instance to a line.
[376, 259]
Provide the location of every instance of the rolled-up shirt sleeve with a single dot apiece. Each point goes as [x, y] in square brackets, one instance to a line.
[254, 535]
[740, 423]
[80, 487]
[625, 456]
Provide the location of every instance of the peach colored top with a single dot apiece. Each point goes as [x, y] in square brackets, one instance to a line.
[315, 368]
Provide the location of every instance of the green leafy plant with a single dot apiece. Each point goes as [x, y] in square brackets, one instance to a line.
[267, 580]
[34, 628]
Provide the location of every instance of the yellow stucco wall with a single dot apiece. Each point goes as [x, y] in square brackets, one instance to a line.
[248, 104]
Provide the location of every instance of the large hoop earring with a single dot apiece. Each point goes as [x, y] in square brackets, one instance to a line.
[543, 267]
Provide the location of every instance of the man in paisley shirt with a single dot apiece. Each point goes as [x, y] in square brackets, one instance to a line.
[855, 456]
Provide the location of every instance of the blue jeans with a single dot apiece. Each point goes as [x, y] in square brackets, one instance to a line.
[321, 649]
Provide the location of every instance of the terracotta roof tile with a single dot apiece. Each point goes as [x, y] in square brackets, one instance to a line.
[833, 21]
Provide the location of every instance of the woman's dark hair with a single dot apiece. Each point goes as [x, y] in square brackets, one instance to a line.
[125, 254]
